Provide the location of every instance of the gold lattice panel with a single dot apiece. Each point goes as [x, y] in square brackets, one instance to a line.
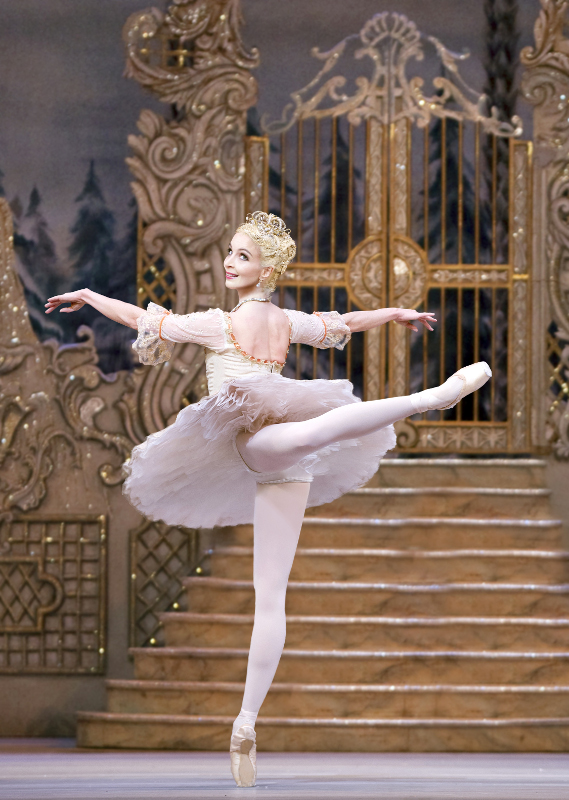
[52, 594]
[558, 412]
[154, 278]
[161, 557]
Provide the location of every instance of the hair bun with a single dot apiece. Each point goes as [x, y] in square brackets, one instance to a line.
[268, 223]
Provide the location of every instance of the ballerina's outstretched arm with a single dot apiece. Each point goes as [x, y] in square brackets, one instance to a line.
[158, 328]
[366, 320]
[117, 310]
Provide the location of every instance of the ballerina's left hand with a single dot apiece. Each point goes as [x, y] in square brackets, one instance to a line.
[406, 315]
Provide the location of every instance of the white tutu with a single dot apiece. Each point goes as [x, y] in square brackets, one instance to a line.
[191, 474]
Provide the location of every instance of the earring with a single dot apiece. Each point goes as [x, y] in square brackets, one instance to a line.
[259, 282]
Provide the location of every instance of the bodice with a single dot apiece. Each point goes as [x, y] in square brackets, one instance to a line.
[159, 329]
[233, 361]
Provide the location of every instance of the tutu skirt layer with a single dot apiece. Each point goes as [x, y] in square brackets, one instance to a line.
[191, 474]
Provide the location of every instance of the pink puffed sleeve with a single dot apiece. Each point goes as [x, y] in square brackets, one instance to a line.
[321, 329]
[158, 329]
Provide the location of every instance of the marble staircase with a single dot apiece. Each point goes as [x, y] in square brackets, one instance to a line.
[428, 611]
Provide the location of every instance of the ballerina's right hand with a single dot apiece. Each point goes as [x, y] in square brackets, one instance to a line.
[74, 298]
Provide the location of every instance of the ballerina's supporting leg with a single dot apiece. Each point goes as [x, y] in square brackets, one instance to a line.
[279, 511]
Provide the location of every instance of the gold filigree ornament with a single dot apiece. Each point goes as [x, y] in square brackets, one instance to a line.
[272, 236]
[385, 92]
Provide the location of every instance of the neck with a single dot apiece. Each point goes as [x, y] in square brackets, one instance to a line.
[249, 294]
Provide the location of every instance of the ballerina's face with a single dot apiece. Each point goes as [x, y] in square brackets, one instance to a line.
[243, 264]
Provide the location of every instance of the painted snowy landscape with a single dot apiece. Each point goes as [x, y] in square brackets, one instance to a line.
[95, 257]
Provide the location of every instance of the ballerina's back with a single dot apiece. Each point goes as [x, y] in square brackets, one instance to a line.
[262, 330]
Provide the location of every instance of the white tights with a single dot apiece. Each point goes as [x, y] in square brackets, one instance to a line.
[279, 512]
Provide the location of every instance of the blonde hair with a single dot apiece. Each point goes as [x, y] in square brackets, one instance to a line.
[272, 236]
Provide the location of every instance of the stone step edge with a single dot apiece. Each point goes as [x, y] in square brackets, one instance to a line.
[427, 521]
[401, 461]
[238, 652]
[419, 491]
[391, 586]
[379, 552]
[240, 619]
[337, 688]
[182, 719]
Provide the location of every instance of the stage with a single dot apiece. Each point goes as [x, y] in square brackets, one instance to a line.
[42, 769]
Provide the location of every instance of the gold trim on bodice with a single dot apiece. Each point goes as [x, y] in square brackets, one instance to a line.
[246, 355]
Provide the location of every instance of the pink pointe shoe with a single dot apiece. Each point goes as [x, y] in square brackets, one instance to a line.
[243, 753]
[473, 376]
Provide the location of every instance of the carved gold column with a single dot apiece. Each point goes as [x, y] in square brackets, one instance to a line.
[189, 177]
[546, 86]
[370, 259]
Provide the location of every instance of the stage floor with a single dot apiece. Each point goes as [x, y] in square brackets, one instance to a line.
[32, 769]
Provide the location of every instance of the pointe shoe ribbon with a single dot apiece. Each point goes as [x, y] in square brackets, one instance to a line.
[243, 754]
[473, 377]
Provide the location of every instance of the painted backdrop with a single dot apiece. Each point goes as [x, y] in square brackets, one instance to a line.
[66, 112]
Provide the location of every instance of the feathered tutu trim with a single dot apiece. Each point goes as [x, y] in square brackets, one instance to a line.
[190, 473]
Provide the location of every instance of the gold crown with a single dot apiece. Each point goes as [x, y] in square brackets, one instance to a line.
[274, 240]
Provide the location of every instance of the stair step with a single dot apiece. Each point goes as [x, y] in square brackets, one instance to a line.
[221, 595]
[177, 732]
[311, 563]
[341, 701]
[444, 501]
[364, 632]
[439, 533]
[363, 666]
[504, 473]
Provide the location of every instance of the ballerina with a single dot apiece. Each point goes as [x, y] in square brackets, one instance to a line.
[261, 448]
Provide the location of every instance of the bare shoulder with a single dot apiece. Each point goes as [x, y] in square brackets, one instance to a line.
[262, 314]
[255, 323]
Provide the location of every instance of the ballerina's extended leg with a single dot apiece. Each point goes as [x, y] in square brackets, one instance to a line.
[277, 447]
[279, 511]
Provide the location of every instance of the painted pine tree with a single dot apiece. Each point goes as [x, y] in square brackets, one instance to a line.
[92, 253]
[342, 205]
[41, 254]
[501, 62]
[444, 138]
[36, 263]
[123, 281]
[92, 248]
[451, 204]
[114, 342]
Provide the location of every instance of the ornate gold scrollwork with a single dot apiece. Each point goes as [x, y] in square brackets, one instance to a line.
[407, 434]
[478, 277]
[387, 43]
[47, 399]
[457, 438]
[409, 272]
[365, 272]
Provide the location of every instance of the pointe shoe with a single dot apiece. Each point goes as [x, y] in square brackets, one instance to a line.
[243, 753]
[473, 376]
